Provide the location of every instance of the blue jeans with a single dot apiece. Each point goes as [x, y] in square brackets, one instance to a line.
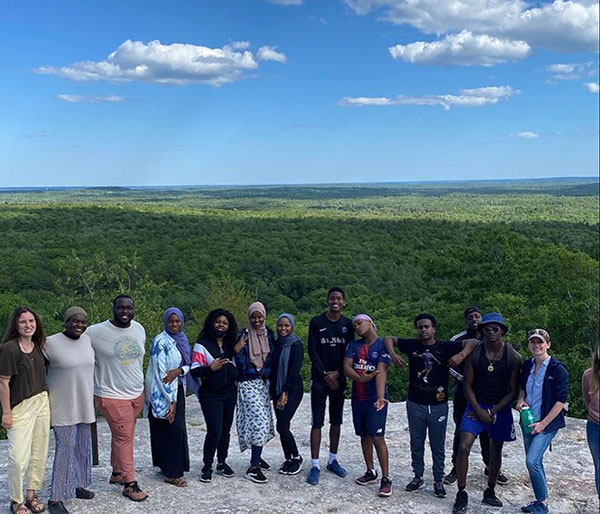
[535, 447]
[593, 437]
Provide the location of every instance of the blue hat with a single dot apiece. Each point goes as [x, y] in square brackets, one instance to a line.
[493, 317]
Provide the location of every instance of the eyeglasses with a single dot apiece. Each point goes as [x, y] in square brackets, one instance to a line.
[488, 330]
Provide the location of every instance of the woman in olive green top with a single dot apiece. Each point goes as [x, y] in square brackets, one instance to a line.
[25, 408]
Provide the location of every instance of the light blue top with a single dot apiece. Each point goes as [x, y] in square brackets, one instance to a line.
[535, 383]
[164, 356]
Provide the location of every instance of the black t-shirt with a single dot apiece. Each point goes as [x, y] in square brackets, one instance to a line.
[491, 386]
[428, 369]
[327, 341]
[27, 371]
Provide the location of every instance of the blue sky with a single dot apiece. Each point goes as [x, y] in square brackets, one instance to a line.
[296, 91]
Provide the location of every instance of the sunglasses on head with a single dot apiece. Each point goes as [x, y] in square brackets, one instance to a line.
[487, 330]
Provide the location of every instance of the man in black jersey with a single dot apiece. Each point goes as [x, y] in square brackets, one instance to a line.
[472, 317]
[491, 384]
[328, 336]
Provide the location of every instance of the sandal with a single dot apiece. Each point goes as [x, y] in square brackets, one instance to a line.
[177, 482]
[34, 505]
[18, 508]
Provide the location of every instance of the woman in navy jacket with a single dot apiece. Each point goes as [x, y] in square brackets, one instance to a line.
[544, 389]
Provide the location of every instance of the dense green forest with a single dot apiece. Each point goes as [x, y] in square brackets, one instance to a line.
[528, 249]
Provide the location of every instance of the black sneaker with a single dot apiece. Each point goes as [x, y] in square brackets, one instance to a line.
[254, 474]
[450, 478]
[385, 487]
[295, 466]
[489, 497]
[461, 502]
[206, 475]
[414, 484]
[368, 478]
[83, 494]
[501, 480]
[264, 465]
[438, 490]
[224, 470]
[284, 469]
[53, 508]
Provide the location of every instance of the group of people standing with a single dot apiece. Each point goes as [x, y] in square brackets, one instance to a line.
[249, 374]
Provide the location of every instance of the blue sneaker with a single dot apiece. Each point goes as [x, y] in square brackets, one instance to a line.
[335, 467]
[313, 476]
[540, 508]
[530, 507]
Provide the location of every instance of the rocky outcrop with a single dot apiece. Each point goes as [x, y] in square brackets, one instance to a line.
[569, 469]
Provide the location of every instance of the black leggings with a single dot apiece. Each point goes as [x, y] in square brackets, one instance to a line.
[284, 418]
[218, 415]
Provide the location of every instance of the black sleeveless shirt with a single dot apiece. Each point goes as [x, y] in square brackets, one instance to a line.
[491, 386]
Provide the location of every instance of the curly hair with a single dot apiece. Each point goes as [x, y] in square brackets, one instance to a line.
[207, 331]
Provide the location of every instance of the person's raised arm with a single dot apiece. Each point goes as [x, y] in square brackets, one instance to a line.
[468, 345]
[389, 342]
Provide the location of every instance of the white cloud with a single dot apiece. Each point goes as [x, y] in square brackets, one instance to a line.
[463, 49]
[467, 98]
[77, 99]
[285, 2]
[561, 25]
[571, 71]
[268, 53]
[592, 87]
[174, 64]
[527, 135]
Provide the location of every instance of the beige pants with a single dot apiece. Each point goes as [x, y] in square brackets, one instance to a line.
[28, 445]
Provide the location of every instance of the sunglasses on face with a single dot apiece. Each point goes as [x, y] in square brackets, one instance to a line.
[493, 330]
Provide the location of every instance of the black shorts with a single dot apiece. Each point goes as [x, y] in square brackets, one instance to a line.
[319, 392]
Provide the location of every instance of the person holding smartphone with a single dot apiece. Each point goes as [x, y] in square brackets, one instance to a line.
[212, 362]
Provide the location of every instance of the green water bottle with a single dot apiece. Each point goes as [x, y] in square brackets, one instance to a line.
[527, 418]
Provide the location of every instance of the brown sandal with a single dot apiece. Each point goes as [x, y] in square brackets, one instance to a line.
[18, 508]
[177, 482]
[34, 505]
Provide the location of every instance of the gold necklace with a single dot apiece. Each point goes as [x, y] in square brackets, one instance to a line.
[491, 361]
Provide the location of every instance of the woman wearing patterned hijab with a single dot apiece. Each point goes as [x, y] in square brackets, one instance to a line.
[254, 418]
[169, 363]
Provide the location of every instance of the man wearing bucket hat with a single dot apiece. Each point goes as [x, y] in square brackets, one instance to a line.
[472, 316]
[491, 384]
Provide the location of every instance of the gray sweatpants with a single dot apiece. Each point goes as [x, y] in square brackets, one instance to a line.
[423, 419]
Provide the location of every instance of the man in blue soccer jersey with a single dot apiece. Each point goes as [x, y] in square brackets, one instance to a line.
[366, 364]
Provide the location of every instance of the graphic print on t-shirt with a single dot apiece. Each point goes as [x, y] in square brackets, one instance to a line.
[127, 350]
[428, 360]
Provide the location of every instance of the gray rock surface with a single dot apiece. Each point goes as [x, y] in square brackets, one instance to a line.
[569, 469]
